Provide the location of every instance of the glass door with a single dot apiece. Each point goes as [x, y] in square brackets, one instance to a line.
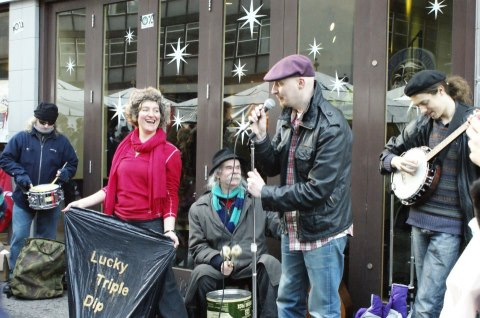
[246, 58]
[69, 91]
[178, 82]
[120, 21]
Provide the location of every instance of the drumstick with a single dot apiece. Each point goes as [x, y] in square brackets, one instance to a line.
[54, 180]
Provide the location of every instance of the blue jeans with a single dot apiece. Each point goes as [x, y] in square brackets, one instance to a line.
[435, 254]
[46, 227]
[322, 270]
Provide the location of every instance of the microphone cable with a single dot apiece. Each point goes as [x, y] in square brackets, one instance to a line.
[236, 158]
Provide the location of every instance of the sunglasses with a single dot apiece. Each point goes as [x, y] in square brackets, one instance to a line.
[45, 122]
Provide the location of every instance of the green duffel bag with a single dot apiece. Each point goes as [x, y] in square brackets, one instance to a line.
[39, 269]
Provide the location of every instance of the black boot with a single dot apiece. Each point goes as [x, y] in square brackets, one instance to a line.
[7, 289]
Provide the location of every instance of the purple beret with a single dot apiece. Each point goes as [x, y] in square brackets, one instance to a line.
[422, 81]
[292, 65]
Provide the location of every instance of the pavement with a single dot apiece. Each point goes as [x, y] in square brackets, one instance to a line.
[21, 308]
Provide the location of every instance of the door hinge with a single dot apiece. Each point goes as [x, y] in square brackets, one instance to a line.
[208, 91]
[93, 20]
[210, 5]
[90, 166]
[91, 96]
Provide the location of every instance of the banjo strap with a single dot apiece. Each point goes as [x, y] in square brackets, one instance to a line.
[454, 124]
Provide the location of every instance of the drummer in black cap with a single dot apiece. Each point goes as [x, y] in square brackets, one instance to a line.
[36, 156]
[439, 220]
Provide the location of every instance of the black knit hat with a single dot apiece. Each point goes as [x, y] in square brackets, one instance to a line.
[220, 157]
[422, 81]
[47, 112]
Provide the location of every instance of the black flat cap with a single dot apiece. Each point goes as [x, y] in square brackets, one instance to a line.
[289, 66]
[423, 80]
[46, 111]
[220, 157]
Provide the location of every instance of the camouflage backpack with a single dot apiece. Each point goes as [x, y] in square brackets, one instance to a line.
[39, 269]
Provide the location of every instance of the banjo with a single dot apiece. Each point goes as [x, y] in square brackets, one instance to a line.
[411, 189]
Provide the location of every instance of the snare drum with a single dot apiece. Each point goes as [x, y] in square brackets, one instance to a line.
[45, 196]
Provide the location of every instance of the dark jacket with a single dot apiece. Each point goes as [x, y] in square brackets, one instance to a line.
[322, 170]
[208, 235]
[417, 134]
[26, 154]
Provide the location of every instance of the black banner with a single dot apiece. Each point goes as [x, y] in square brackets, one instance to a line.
[115, 269]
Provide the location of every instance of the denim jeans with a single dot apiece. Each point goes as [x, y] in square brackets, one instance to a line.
[46, 227]
[321, 269]
[435, 254]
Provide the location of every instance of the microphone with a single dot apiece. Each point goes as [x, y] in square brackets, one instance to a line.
[267, 105]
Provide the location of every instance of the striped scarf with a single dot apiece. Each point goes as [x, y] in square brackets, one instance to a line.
[239, 195]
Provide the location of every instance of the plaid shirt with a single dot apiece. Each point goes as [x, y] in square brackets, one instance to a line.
[291, 217]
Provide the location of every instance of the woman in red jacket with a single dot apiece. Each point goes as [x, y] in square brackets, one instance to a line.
[143, 182]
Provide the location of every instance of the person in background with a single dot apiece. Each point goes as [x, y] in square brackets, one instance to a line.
[439, 222]
[143, 183]
[36, 156]
[462, 298]
[312, 152]
[224, 216]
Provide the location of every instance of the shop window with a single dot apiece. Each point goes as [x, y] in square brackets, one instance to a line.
[326, 37]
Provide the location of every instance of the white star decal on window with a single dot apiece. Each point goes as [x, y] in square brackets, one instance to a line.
[70, 65]
[315, 48]
[118, 108]
[239, 70]
[177, 120]
[436, 7]
[251, 17]
[337, 84]
[129, 37]
[242, 127]
[178, 55]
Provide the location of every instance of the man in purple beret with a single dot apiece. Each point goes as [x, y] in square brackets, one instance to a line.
[312, 152]
[438, 220]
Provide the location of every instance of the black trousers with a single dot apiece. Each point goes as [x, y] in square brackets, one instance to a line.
[266, 293]
[171, 302]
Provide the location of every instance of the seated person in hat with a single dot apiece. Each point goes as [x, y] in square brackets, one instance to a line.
[220, 220]
[439, 221]
[36, 156]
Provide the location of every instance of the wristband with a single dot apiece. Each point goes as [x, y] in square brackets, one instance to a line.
[169, 231]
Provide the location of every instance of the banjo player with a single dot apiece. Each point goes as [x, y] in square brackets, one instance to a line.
[439, 220]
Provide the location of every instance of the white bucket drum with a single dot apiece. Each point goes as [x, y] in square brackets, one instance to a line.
[235, 303]
[45, 196]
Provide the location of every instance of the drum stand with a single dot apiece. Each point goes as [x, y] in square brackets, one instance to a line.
[253, 246]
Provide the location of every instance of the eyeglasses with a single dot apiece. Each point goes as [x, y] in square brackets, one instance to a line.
[45, 122]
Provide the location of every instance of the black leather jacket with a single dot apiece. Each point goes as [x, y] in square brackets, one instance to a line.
[416, 134]
[322, 172]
